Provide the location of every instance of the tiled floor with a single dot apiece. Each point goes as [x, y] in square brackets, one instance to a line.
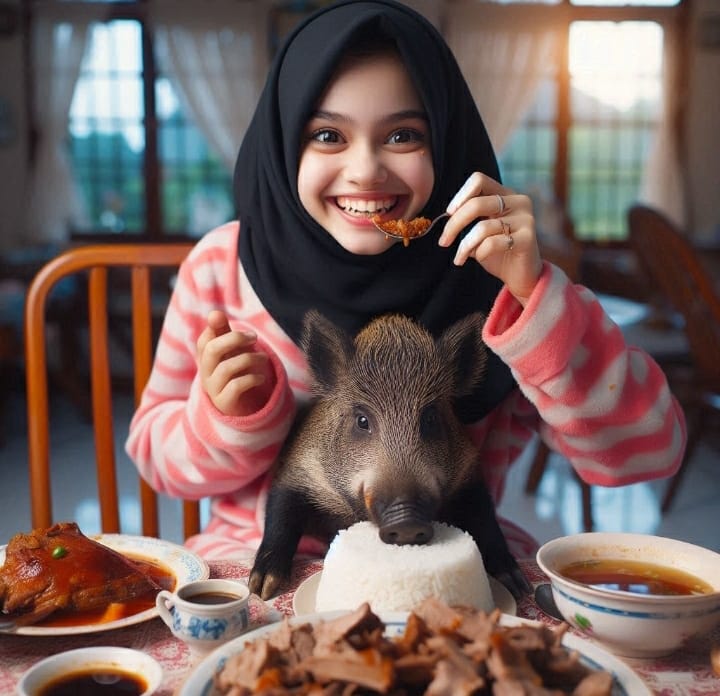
[553, 511]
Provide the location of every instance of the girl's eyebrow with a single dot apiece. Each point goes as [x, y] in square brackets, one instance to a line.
[405, 114]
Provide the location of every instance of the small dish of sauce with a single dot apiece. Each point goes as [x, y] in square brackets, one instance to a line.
[96, 682]
[93, 671]
[637, 577]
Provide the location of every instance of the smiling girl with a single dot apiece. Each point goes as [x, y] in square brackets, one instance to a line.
[365, 112]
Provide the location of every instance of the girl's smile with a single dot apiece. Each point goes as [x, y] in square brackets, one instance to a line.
[366, 153]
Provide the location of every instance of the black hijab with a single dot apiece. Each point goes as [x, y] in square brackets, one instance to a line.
[291, 261]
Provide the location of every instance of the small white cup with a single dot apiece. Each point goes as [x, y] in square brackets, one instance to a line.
[206, 613]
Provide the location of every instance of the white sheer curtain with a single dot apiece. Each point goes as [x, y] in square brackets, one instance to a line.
[214, 53]
[663, 183]
[59, 38]
[504, 52]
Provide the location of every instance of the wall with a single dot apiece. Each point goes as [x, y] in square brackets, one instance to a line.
[13, 144]
[703, 122]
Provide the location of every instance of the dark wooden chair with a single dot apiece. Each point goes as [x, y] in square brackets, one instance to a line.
[95, 261]
[679, 279]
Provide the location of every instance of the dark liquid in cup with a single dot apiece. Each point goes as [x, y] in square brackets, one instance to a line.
[105, 682]
[212, 598]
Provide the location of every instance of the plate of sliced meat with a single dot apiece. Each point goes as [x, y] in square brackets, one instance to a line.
[57, 581]
[432, 649]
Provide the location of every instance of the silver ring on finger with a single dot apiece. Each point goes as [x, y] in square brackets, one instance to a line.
[501, 204]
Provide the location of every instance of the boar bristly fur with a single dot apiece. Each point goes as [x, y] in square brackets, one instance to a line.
[381, 441]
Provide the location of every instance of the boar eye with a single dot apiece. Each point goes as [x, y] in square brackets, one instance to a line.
[362, 421]
[430, 422]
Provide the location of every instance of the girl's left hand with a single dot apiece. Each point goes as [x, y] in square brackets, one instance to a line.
[502, 240]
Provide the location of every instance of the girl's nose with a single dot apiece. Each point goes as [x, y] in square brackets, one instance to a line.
[365, 166]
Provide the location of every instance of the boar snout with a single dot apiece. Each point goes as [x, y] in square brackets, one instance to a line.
[404, 522]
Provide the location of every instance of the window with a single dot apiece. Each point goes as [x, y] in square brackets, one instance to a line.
[143, 167]
[588, 135]
[107, 135]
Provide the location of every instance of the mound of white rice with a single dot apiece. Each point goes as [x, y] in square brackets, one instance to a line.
[360, 567]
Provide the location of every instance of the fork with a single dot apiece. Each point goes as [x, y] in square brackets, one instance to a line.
[409, 232]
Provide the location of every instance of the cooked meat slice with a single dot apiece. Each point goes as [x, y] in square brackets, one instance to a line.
[505, 662]
[59, 568]
[415, 633]
[243, 669]
[415, 669]
[369, 669]
[438, 616]
[360, 620]
[455, 673]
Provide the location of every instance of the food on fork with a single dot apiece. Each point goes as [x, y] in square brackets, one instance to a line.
[359, 567]
[444, 650]
[60, 569]
[407, 229]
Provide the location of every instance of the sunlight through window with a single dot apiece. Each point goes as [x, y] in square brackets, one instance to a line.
[616, 105]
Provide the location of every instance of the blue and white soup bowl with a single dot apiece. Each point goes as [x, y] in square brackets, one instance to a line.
[206, 613]
[624, 622]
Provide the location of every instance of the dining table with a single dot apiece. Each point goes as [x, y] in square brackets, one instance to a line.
[687, 672]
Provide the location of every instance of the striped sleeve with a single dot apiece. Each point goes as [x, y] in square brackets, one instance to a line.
[181, 444]
[604, 405]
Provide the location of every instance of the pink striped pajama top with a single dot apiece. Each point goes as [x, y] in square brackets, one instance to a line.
[603, 405]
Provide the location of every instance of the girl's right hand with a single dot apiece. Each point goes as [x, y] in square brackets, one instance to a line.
[236, 377]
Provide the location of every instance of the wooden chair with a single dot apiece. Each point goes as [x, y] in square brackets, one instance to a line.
[96, 261]
[680, 279]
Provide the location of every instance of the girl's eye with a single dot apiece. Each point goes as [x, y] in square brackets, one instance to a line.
[326, 135]
[406, 135]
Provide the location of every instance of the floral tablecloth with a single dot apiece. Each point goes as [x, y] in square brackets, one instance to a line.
[687, 673]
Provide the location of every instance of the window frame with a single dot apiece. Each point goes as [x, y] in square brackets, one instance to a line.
[674, 22]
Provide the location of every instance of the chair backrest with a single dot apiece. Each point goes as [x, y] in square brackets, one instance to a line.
[95, 261]
[674, 269]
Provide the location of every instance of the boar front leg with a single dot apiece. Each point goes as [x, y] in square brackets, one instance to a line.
[473, 510]
[285, 515]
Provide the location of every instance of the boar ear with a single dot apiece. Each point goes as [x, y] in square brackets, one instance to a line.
[464, 349]
[327, 350]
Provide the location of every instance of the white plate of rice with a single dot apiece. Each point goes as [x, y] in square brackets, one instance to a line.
[304, 598]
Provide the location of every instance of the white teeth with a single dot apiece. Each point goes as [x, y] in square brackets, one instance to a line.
[357, 206]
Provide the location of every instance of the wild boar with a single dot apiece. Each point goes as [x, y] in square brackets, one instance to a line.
[381, 441]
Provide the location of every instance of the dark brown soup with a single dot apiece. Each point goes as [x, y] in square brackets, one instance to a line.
[102, 682]
[212, 598]
[635, 576]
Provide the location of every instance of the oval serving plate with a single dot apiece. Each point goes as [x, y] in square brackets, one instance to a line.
[184, 565]
[625, 681]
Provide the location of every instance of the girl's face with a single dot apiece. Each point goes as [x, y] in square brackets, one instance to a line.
[366, 151]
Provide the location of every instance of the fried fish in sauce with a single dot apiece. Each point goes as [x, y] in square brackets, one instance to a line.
[60, 569]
